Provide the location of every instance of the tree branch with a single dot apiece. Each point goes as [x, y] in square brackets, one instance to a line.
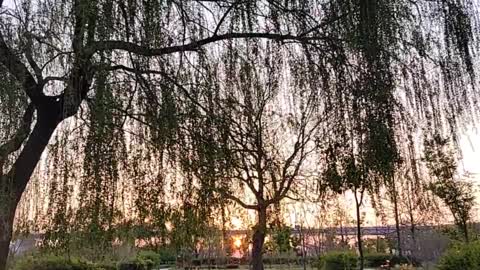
[29, 56]
[163, 74]
[192, 46]
[323, 24]
[54, 78]
[14, 144]
[20, 71]
[240, 202]
[215, 32]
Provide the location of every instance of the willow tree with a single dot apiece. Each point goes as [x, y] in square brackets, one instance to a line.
[65, 52]
[252, 141]
[381, 82]
[59, 55]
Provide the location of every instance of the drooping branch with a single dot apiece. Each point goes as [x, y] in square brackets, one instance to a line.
[224, 16]
[161, 73]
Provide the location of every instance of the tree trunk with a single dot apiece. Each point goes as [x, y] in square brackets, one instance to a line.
[359, 230]
[465, 231]
[397, 219]
[224, 232]
[414, 238]
[259, 239]
[342, 234]
[304, 255]
[397, 228]
[412, 225]
[6, 223]
[13, 184]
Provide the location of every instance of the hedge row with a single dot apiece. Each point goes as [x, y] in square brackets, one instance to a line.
[145, 260]
[348, 260]
[461, 256]
[58, 263]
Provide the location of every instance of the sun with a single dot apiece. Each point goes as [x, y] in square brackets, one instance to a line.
[237, 243]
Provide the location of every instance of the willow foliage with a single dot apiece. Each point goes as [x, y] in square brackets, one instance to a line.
[138, 79]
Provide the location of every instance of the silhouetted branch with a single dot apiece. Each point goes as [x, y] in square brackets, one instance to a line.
[194, 45]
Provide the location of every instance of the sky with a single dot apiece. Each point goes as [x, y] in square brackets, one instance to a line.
[469, 144]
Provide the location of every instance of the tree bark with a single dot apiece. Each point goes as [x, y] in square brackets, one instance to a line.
[359, 230]
[414, 238]
[13, 184]
[259, 239]
[6, 223]
[465, 232]
[342, 235]
[412, 224]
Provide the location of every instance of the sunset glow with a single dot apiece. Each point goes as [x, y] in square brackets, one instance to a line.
[237, 242]
[236, 223]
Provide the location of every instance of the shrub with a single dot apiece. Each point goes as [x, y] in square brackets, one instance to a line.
[136, 264]
[337, 260]
[378, 259]
[149, 257]
[144, 260]
[49, 262]
[285, 259]
[105, 266]
[167, 256]
[131, 265]
[407, 267]
[461, 256]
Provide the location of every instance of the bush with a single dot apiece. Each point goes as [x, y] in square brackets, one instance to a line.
[49, 262]
[461, 256]
[337, 260]
[167, 256]
[288, 259]
[131, 265]
[136, 264]
[149, 257]
[146, 260]
[378, 259]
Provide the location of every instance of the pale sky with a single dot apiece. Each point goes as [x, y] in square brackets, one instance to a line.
[470, 144]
